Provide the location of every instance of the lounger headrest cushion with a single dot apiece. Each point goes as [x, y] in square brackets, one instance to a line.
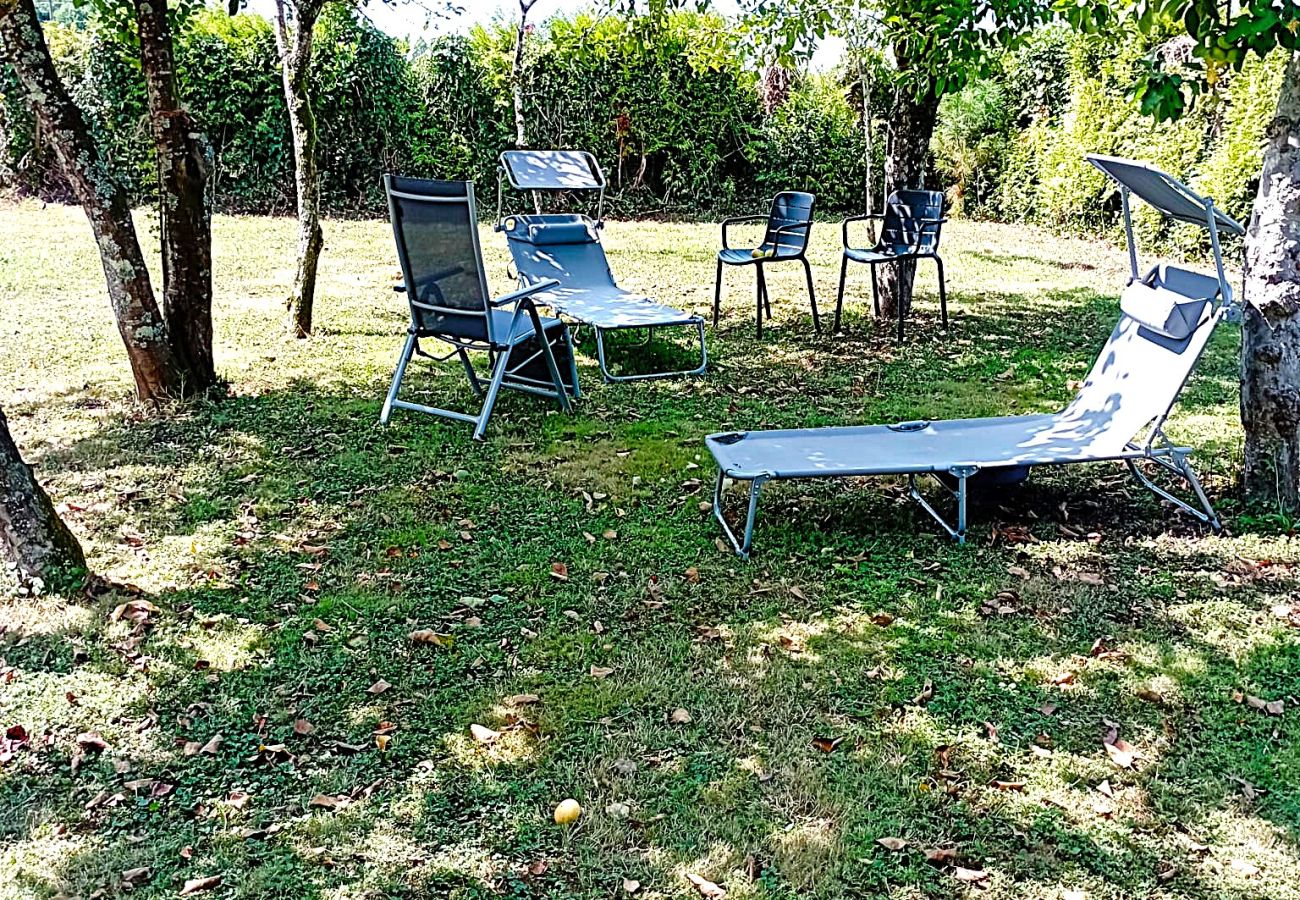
[559, 233]
[1166, 312]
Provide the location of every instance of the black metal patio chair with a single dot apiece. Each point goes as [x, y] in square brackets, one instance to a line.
[789, 228]
[435, 225]
[910, 230]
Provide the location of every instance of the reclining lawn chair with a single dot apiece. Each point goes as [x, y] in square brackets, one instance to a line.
[566, 249]
[1166, 319]
[435, 226]
[910, 230]
[789, 229]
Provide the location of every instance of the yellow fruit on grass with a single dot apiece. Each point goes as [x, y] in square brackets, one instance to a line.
[567, 812]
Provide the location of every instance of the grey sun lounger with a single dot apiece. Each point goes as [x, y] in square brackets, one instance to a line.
[566, 248]
[1167, 317]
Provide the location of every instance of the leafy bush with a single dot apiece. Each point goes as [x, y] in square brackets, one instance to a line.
[970, 142]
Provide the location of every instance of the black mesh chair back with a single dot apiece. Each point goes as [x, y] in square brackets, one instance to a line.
[901, 231]
[789, 224]
[435, 226]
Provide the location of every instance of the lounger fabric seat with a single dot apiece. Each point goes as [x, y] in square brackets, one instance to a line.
[1166, 319]
[565, 248]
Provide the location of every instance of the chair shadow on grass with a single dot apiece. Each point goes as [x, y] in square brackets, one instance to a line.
[292, 507]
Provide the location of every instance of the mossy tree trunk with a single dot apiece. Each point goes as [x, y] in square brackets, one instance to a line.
[1270, 349]
[170, 350]
[517, 73]
[185, 217]
[912, 122]
[35, 540]
[295, 47]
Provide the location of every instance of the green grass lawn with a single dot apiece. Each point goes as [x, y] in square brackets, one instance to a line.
[760, 725]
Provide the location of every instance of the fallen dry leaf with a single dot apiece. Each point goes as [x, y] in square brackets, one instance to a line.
[302, 727]
[707, 888]
[378, 687]
[827, 744]
[891, 843]
[601, 672]
[429, 636]
[680, 716]
[970, 876]
[631, 885]
[213, 744]
[559, 571]
[1243, 868]
[327, 801]
[522, 699]
[1121, 753]
[483, 735]
[198, 885]
[1009, 785]
[134, 877]
[940, 856]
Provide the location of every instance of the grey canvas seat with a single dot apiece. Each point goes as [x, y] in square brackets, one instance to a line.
[1166, 319]
[910, 229]
[435, 227]
[565, 249]
[785, 239]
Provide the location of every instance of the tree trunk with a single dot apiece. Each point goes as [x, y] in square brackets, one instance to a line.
[517, 73]
[295, 64]
[158, 372]
[1270, 348]
[185, 218]
[911, 127]
[35, 540]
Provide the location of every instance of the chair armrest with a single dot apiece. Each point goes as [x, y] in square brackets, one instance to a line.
[927, 224]
[523, 292]
[863, 217]
[736, 220]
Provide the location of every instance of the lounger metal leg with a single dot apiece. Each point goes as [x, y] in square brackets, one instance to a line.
[812, 296]
[962, 474]
[474, 383]
[1182, 467]
[402, 362]
[717, 295]
[760, 294]
[490, 400]
[610, 377]
[943, 294]
[839, 297]
[745, 543]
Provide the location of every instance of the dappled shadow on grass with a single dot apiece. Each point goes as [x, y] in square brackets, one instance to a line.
[571, 542]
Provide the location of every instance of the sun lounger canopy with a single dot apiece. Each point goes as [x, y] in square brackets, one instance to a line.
[552, 170]
[1166, 193]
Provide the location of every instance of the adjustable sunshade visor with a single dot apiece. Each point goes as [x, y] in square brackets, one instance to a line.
[552, 170]
[1163, 191]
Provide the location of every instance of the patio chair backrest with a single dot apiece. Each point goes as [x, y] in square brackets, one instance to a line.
[435, 226]
[789, 208]
[904, 213]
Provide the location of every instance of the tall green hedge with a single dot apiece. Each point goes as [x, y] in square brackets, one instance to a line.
[670, 107]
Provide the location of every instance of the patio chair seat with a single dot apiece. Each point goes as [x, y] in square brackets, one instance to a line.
[741, 256]
[880, 254]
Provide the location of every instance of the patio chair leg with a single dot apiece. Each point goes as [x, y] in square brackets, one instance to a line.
[898, 303]
[490, 400]
[943, 294]
[839, 297]
[717, 295]
[402, 361]
[474, 383]
[875, 293]
[760, 290]
[812, 296]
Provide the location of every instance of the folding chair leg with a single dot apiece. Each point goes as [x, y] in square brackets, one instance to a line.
[402, 361]
[898, 283]
[812, 296]
[474, 383]
[744, 543]
[717, 295]
[573, 363]
[875, 292]
[943, 294]
[490, 400]
[760, 295]
[839, 298]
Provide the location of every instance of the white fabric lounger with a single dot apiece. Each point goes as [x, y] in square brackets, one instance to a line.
[1167, 318]
[566, 248]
